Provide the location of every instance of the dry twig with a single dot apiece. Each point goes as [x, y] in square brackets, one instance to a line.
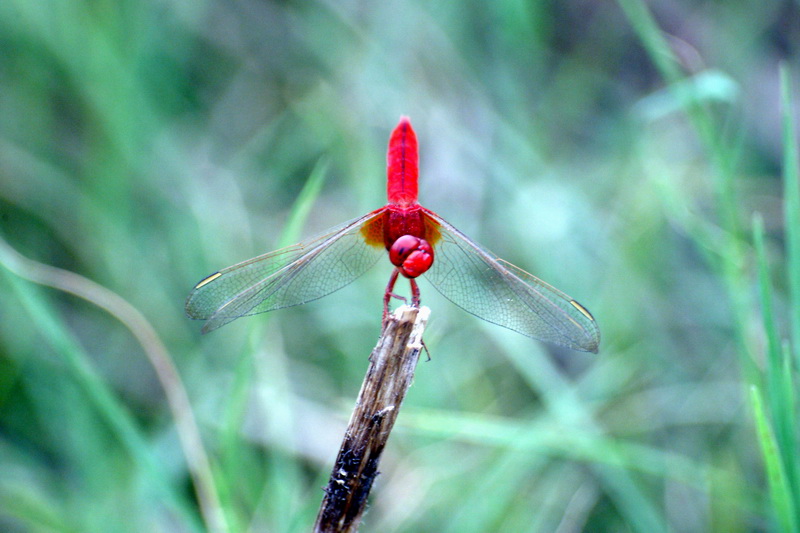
[390, 374]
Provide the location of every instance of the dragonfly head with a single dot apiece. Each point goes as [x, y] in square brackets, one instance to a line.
[411, 255]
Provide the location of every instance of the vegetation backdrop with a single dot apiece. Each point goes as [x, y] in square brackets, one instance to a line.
[640, 156]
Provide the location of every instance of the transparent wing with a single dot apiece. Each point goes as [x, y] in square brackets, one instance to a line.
[503, 294]
[290, 276]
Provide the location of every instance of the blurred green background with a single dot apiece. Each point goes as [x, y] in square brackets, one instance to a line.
[618, 151]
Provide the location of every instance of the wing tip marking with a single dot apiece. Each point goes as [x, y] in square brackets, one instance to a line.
[585, 312]
[207, 280]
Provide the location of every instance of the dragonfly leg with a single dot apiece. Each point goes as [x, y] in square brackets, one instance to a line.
[414, 292]
[388, 294]
[427, 352]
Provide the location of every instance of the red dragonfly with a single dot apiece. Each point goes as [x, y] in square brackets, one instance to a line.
[418, 242]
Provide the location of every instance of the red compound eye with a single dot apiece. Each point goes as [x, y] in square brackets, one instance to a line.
[412, 255]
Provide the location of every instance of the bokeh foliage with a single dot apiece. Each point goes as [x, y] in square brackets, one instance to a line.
[619, 151]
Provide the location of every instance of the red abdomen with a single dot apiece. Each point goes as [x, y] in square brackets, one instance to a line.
[402, 165]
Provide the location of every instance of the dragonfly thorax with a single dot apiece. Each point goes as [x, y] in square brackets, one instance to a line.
[403, 221]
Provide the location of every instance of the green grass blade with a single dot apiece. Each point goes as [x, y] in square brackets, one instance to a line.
[789, 415]
[233, 453]
[304, 203]
[779, 383]
[774, 365]
[782, 502]
[652, 38]
[791, 193]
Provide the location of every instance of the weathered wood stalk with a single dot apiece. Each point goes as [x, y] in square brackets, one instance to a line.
[390, 373]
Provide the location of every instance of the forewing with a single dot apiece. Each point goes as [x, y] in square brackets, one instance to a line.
[290, 276]
[503, 294]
